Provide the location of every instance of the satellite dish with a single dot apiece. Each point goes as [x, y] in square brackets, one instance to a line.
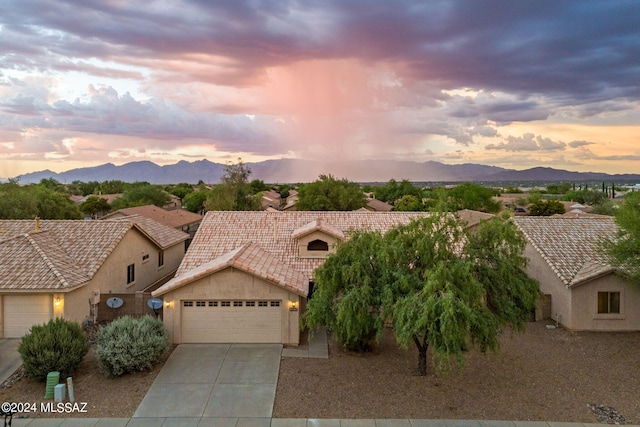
[155, 303]
[115, 302]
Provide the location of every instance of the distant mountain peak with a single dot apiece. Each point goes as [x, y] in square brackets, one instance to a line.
[298, 170]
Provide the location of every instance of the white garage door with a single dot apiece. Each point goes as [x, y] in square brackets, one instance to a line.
[23, 311]
[231, 321]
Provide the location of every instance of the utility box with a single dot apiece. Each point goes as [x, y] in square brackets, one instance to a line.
[59, 393]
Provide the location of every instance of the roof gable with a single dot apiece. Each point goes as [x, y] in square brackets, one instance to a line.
[251, 259]
[570, 245]
[318, 225]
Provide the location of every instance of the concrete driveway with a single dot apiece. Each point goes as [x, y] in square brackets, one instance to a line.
[10, 359]
[215, 381]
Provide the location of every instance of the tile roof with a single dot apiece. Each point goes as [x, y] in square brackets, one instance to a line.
[176, 218]
[251, 259]
[63, 255]
[222, 232]
[378, 205]
[317, 225]
[569, 245]
[472, 218]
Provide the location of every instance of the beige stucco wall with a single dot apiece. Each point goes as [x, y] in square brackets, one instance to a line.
[112, 275]
[550, 284]
[585, 303]
[577, 308]
[316, 235]
[232, 284]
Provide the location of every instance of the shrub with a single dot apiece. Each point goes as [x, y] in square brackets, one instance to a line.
[128, 345]
[59, 345]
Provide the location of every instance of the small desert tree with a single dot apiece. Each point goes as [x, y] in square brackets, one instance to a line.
[234, 192]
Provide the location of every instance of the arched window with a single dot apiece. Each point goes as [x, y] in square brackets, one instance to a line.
[318, 245]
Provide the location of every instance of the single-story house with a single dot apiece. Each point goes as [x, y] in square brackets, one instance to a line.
[247, 275]
[51, 268]
[586, 292]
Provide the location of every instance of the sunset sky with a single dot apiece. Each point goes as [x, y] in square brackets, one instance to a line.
[515, 84]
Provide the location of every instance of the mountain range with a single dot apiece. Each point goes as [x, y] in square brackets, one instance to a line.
[295, 170]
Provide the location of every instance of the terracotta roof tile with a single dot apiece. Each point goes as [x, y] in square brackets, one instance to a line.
[66, 254]
[569, 245]
[222, 232]
[176, 218]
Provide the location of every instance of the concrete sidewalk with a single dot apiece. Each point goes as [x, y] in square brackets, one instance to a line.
[280, 422]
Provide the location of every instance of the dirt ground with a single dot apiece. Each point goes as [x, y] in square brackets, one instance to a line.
[550, 375]
[104, 397]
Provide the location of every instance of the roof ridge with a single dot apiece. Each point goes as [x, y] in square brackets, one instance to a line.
[240, 250]
[46, 259]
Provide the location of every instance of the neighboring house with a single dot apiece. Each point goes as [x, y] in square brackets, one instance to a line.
[65, 268]
[473, 219]
[271, 199]
[179, 219]
[586, 292]
[247, 275]
[290, 201]
[376, 205]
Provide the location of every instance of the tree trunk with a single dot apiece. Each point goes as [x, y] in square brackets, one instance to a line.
[422, 354]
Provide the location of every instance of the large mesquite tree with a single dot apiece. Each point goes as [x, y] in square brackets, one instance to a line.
[441, 286]
[624, 250]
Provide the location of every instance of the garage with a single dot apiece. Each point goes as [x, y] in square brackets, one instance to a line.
[23, 311]
[229, 321]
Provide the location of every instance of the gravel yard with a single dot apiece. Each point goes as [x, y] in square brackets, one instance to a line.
[551, 375]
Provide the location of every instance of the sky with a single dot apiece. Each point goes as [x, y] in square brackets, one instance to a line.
[508, 83]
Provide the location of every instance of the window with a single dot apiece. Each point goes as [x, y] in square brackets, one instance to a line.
[187, 303]
[275, 303]
[262, 304]
[131, 273]
[201, 304]
[609, 302]
[225, 304]
[145, 257]
[318, 245]
[237, 303]
[160, 258]
[250, 303]
[213, 303]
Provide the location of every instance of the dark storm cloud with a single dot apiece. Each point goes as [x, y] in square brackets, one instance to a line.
[586, 50]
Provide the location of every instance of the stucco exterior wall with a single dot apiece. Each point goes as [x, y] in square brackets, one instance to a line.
[550, 284]
[316, 235]
[232, 284]
[585, 302]
[112, 275]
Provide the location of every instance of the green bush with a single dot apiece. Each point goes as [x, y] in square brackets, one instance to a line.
[128, 345]
[59, 345]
